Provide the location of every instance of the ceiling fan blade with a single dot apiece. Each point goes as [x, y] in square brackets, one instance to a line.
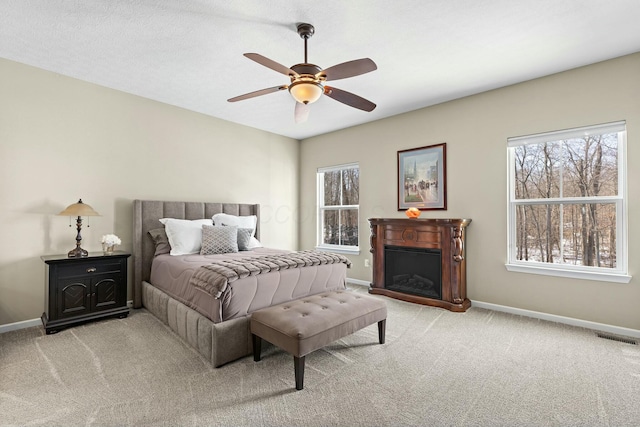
[257, 93]
[262, 60]
[349, 98]
[349, 69]
[301, 113]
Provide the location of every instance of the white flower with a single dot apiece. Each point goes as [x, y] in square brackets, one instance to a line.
[111, 240]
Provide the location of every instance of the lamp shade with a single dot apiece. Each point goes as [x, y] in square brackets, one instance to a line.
[306, 92]
[79, 209]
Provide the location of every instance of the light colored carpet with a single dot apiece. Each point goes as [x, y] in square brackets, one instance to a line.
[479, 368]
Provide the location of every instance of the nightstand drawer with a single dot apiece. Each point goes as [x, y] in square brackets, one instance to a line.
[82, 268]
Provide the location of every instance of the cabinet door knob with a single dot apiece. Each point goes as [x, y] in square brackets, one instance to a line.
[91, 269]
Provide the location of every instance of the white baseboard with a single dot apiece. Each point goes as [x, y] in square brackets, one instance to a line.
[358, 282]
[20, 325]
[33, 322]
[617, 330]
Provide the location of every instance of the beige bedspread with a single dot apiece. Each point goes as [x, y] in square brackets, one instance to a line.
[215, 277]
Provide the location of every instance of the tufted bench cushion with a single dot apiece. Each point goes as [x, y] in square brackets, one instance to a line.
[310, 323]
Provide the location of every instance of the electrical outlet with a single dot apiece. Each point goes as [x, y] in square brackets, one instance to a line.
[366, 263]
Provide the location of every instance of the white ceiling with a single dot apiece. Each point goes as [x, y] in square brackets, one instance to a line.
[188, 53]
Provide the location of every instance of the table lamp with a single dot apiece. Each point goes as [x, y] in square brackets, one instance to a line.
[79, 209]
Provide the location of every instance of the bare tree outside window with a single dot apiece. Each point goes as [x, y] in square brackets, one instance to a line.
[565, 200]
[338, 208]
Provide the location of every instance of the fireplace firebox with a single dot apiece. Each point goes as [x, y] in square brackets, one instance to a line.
[413, 271]
[438, 278]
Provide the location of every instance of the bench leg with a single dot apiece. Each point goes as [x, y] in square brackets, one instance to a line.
[382, 326]
[298, 365]
[257, 347]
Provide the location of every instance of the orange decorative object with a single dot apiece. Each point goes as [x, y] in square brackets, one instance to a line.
[413, 212]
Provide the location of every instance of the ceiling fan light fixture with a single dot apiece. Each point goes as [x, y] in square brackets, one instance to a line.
[306, 92]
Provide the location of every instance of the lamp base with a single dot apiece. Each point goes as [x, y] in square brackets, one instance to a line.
[78, 252]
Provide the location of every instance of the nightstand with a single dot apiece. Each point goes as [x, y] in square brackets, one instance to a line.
[79, 290]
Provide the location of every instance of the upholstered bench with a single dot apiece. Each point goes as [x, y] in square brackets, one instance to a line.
[308, 324]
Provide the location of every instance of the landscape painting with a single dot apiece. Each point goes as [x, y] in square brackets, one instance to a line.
[422, 178]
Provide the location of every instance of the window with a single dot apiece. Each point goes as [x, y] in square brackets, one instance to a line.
[567, 207]
[338, 199]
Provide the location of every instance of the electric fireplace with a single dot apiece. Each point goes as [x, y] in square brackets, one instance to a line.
[420, 260]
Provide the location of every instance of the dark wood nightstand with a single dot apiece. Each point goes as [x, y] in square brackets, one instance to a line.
[79, 290]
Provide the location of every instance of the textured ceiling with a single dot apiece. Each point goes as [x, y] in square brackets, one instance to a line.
[189, 53]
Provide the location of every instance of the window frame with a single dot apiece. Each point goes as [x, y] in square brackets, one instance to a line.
[321, 208]
[618, 274]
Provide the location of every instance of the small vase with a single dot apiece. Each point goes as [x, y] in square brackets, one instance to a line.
[108, 250]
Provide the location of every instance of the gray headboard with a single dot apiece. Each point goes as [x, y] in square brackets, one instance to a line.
[146, 214]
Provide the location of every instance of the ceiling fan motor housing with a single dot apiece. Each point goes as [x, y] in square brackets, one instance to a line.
[310, 69]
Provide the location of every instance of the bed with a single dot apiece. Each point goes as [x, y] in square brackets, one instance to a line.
[216, 324]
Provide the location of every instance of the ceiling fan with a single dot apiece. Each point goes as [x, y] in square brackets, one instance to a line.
[308, 80]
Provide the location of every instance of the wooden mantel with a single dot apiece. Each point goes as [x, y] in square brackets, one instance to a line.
[447, 235]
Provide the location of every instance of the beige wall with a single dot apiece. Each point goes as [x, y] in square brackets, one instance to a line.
[61, 139]
[476, 129]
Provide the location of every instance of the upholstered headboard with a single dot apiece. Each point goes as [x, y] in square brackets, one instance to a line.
[146, 214]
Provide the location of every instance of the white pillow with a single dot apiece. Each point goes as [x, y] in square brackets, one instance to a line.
[254, 243]
[185, 236]
[247, 221]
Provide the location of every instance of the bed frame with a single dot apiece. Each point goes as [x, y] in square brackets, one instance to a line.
[219, 343]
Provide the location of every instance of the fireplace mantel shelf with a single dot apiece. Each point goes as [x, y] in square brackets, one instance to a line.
[444, 234]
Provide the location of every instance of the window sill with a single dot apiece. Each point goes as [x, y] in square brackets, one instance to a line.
[573, 274]
[339, 249]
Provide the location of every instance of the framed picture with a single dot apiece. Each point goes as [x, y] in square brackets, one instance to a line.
[422, 178]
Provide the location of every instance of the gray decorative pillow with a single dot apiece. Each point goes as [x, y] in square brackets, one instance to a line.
[159, 237]
[244, 238]
[219, 240]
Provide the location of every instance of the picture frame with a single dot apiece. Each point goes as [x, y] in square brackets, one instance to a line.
[422, 178]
